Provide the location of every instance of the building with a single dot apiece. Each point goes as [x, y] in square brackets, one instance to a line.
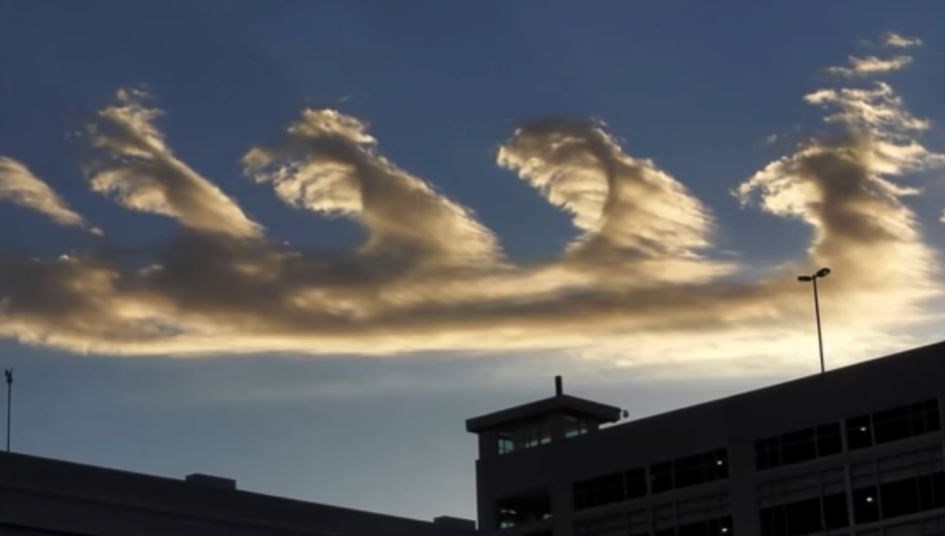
[854, 451]
[39, 496]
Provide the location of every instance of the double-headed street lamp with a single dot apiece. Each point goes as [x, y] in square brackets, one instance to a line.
[819, 274]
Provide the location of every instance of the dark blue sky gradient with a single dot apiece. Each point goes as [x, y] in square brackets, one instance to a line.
[694, 85]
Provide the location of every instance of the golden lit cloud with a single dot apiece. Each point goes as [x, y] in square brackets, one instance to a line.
[20, 186]
[870, 65]
[137, 168]
[893, 39]
[429, 276]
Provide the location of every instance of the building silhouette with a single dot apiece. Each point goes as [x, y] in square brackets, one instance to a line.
[854, 451]
[39, 496]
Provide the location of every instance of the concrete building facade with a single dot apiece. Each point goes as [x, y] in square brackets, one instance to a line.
[855, 451]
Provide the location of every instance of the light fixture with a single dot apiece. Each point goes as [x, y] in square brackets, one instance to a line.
[819, 274]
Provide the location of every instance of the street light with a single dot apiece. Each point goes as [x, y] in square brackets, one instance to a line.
[819, 274]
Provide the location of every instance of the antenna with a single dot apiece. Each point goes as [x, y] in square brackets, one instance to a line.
[9, 374]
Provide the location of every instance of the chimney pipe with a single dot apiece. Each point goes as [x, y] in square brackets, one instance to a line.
[559, 390]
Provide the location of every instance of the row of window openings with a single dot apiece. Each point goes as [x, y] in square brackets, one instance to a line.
[538, 433]
[719, 526]
[631, 484]
[862, 431]
[870, 503]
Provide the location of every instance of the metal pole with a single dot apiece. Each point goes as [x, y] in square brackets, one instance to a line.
[9, 375]
[820, 340]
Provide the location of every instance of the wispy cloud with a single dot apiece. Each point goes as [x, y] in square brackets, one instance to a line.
[870, 65]
[137, 168]
[893, 39]
[429, 276]
[20, 186]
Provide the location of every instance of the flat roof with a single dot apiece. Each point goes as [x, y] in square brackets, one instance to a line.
[193, 499]
[558, 403]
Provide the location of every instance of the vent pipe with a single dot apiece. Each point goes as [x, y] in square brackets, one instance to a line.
[559, 389]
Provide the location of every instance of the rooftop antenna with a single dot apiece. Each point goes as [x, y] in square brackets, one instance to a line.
[9, 374]
[559, 389]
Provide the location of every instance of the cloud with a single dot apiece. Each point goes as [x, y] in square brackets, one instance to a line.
[328, 163]
[870, 65]
[900, 41]
[135, 166]
[639, 273]
[626, 208]
[20, 186]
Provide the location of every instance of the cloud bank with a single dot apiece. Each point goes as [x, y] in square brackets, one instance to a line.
[428, 276]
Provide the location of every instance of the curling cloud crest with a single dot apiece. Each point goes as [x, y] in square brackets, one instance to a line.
[328, 163]
[20, 186]
[140, 171]
[429, 276]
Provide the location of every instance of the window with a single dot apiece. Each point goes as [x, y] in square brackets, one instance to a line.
[610, 488]
[523, 509]
[710, 527]
[806, 516]
[893, 424]
[865, 504]
[661, 477]
[798, 446]
[689, 470]
[524, 436]
[835, 511]
[574, 426]
[859, 432]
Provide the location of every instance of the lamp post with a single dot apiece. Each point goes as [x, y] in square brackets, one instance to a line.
[9, 374]
[819, 274]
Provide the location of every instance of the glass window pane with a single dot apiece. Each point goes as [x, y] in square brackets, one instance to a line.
[859, 434]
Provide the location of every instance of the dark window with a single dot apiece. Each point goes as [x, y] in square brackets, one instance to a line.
[523, 509]
[865, 504]
[718, 465]
[892, 424]
[931, 491]
[773, 521]
[661, 477]
[925, 417]
[710, 527]
[803, 517]
[900, 498]
[636, 483]
[688, 471]
[859, 432]
[767, 453]
[835, 511]
[828, 439]
[798, 446]
[609, 488]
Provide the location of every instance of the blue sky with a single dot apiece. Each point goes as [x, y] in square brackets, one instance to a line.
[697, 88]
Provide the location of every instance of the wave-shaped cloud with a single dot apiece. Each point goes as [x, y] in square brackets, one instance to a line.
[20, 186]
[141, 172]
[328, 163]
[429, 276]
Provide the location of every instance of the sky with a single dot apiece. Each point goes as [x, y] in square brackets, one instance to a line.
[299, 243]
